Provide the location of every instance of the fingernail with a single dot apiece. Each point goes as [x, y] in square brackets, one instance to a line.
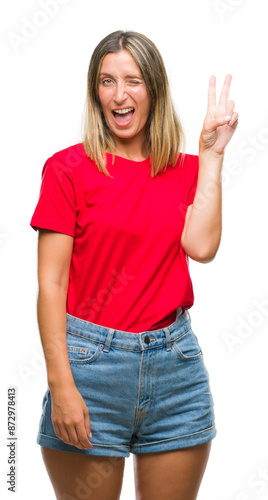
[228, 117]
[90, 435]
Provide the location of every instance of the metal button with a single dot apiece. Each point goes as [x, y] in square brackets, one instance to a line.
[147, 339]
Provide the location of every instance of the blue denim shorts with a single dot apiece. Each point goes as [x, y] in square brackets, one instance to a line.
[145, 392]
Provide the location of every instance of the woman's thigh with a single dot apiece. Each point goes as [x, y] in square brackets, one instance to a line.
[74, 476]
[175, 474]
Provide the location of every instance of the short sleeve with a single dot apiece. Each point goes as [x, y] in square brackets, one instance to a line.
[56, 204]
[192, 178]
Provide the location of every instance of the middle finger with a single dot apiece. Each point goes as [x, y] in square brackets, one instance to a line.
[225, 90]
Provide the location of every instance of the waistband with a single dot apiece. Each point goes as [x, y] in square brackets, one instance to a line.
[130, 340]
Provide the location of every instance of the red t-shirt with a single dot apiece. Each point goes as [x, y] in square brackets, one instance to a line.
[128, 269]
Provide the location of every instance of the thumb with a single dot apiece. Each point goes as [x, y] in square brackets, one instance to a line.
[87, 424]
[212, 123]
[226, 118]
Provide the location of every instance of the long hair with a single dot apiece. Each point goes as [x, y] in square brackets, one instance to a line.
[164, 132]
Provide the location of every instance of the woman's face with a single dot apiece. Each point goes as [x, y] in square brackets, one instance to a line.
[124, 97]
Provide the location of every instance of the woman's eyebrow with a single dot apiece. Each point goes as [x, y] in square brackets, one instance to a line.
[134, 76]
[127, 76]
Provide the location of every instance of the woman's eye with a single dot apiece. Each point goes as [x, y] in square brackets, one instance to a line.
[134, 82]
[106, 81]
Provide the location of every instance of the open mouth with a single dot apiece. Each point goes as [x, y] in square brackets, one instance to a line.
[123, 116]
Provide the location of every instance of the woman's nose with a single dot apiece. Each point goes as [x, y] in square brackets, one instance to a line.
[120, 93]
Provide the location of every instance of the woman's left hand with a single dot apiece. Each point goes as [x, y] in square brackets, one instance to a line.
[220, 122]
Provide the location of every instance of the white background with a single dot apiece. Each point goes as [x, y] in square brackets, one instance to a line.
[42, 100]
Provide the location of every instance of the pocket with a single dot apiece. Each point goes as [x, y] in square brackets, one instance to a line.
[187, 346]
[82, 350]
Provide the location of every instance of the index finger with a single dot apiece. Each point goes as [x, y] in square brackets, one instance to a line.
[212, 91]
[225, 90]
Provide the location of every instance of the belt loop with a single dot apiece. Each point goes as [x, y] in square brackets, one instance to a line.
[188, 315]
[179, 313]
[109, 340]
[168, 346]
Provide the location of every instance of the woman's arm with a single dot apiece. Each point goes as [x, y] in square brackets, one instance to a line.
[69, 412]
[203, 222]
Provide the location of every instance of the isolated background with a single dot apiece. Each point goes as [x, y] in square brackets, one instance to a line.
[42, 101]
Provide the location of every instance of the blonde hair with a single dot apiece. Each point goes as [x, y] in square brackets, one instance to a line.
[165, 135]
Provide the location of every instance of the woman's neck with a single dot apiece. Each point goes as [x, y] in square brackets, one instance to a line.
[132, 150]
[134, 156]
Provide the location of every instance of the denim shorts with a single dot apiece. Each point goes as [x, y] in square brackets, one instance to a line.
[145, 392]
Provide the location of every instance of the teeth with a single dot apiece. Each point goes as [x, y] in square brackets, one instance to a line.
[123, 111]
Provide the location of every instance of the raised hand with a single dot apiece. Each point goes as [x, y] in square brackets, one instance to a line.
[220, 122]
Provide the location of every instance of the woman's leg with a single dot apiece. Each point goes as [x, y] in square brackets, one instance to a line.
[174, 475]
[76, 476]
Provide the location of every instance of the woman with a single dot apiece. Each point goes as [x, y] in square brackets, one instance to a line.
[118, 215]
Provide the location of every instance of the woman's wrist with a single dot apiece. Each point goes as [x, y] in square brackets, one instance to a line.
[209, 156]
[59, 381]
